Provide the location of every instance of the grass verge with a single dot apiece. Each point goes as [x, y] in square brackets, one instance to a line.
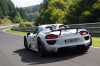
[95, 40]
[15, 32]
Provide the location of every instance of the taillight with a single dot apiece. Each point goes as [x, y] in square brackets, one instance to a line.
[51, 36]
[83, 33]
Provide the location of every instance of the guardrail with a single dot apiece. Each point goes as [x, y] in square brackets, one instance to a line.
[28, 29]
[87, 24]
[91, 27]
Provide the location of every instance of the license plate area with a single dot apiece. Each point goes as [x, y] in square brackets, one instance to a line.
[71, 40]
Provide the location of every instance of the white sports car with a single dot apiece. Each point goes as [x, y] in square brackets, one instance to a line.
[52, 37]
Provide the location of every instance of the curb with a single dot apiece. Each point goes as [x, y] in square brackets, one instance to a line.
[95, 47]
[5, 28]
[9, 33]
[9, 26]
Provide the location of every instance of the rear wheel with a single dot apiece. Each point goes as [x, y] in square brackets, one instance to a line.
[87, 47]
[41, 50]
[83, 48]
[25, 44]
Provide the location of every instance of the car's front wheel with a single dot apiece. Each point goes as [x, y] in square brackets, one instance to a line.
[25, 44]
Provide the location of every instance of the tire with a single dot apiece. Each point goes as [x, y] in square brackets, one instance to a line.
[41, 50]
[82, 48]
[85, 49]
[25, 44]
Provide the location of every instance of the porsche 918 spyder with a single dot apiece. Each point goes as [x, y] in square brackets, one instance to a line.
[52, 37]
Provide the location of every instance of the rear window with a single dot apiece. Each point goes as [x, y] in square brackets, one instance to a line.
[49, 27]
[52, 27]
[62, 26]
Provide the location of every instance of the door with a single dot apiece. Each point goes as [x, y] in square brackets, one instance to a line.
[34, 38]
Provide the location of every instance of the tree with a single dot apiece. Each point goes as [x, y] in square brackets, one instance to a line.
[12, 9]
[95, 17]
[69, 11]
[4, 7]
[7, 9]
[33, 16]
[17, 18]
[22, 14]
[76, 10]
[53, 11]
[1, 14]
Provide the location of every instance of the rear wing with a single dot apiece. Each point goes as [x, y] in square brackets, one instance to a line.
[66, 29]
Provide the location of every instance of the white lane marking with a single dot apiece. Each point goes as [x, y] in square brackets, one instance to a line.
[95, 47]
[9, 26]
[10, 33]
[4, 30]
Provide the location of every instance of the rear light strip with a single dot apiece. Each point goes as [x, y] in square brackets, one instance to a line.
[83, 33]
[51, 36]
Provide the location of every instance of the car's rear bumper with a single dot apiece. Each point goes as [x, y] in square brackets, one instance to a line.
[54, 48]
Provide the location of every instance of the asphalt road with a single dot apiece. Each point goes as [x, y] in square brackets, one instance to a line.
[12, 53]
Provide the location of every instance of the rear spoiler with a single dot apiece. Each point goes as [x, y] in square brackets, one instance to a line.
[65, 29]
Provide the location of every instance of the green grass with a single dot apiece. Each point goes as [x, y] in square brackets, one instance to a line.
[15, 32]
[96, 41]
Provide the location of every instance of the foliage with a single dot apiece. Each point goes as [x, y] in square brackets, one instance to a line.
[7, 9]
[84, 16]
[31, 12]
[95, 12]
[1, 14]
[17, 18]
[33, 16]
[53, 11]
[69, 11]
[22, 14]
[76, 9]
[5, 20]
[25, 24]
[57, 16]
[31, 9]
